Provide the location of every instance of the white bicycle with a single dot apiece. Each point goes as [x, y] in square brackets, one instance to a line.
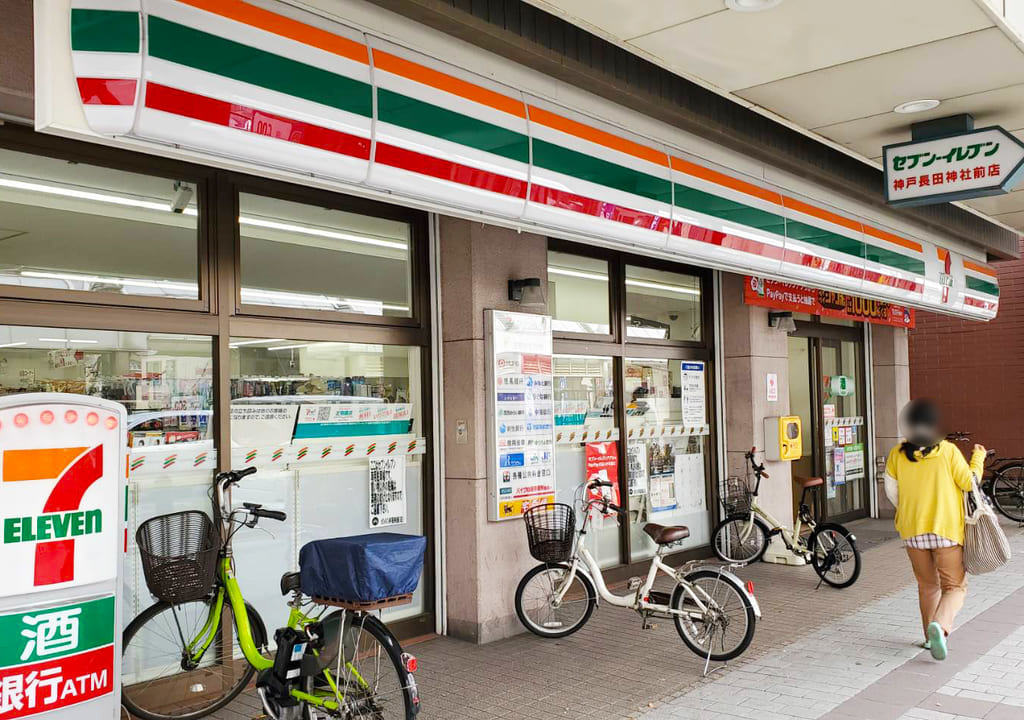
[713, 611]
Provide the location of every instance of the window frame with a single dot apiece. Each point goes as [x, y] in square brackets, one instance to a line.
[417, 220]
[22, 140]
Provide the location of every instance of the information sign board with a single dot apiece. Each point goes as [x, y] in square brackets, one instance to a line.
[62, 540]
[521, 413]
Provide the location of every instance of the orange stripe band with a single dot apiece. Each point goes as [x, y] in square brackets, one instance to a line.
[42, 464]
[600, 137]
[943, 254]
[895, 239]
[285, 27]
[713, 176]
[447, 83]
[983, 269]
[822, 214]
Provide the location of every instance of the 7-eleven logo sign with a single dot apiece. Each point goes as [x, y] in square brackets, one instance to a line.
[63, 476]
[56, 517]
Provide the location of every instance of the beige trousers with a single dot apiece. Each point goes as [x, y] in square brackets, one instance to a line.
[941, 584]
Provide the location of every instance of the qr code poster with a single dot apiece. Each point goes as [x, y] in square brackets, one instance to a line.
[387, 491]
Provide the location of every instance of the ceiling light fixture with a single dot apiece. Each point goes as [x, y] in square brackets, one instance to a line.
[750, 6]
[660, 286]
[916, 106]
[290, 347]
[13, 344]
[67, 340]
[577, 274]
[254, 342]
[138, 282]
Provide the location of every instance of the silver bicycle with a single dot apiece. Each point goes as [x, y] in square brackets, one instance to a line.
[713, 611]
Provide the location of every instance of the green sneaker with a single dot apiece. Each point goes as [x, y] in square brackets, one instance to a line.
[937, 641]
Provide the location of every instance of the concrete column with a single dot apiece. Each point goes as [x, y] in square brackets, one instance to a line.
[890, 366]
[752, 350]
[485, 560]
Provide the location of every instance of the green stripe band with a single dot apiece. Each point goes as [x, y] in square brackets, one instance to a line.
[420, 116]
[982, 286]
[592, 169]
[104, 31]
[54, 632]
[730, 210]
[227, 58]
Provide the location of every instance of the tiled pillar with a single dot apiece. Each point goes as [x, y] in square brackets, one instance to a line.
[890, 366]
[485, 560]
[752, 351]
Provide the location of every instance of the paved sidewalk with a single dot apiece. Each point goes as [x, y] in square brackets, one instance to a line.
[793, 669]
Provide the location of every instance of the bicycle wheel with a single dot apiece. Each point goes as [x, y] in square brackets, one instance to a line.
[537, 608]
[726, 628]
[834, 555]
[1008, 491]
[159, 682]
[373, 681]
[737, 539]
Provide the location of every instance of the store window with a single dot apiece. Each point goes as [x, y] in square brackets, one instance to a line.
[335, 430]
[663, 305]
[73, 226]
[164, 381]
[584, 394]
[578, 298]
[666, 450]
[306, 257]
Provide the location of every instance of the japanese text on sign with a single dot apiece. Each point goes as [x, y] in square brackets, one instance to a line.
[387, 491]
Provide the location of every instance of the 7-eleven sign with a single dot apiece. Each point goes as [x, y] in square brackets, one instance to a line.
[61, 479]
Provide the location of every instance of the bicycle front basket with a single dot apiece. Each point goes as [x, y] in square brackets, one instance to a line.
[737, 496]
[179, 555]
[550, 530]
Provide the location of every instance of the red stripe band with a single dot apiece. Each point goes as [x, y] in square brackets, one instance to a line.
[105, 91]
[246, 119]
[598, 208]
[726, 240]
[975, 302]
[446, 170]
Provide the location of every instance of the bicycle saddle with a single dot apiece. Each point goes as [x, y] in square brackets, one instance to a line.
[666, 534]
[290, 582]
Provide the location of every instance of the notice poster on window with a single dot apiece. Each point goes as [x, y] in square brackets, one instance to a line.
[255, 426]
[387, 491]
[839, 466]
[690, 486]
[693, 393]
[663, 492]
[601, 464]
[854, 459]
[636, 465]
[520, 399]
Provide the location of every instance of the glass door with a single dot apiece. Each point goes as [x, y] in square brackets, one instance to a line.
[826, 375]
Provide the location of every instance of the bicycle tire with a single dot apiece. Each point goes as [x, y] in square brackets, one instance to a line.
[822, 565]
[679, 597]
[386, 640]
[760, 531]
[259, 633]
[539, 630]
[1015, 481]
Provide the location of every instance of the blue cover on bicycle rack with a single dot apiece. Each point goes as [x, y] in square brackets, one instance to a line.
[362, 568]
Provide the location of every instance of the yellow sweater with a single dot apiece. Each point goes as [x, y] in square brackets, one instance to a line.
[930, 491]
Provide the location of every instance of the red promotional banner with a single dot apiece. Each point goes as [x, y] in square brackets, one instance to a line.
[784, 296]
[41, 687]
[602, 464]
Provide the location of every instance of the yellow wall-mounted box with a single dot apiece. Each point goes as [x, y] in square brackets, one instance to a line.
[783, 438]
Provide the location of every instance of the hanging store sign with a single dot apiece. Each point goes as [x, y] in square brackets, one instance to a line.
[974, 164]
[796, 298]
[521, 433]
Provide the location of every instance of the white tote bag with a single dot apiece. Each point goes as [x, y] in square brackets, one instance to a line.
[985, 545]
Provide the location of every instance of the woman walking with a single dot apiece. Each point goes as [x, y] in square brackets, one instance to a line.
[925, 479]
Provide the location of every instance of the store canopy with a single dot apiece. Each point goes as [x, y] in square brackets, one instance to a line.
[227, 79]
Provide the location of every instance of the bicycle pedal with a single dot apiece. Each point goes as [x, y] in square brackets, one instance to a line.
[649, 626]
[633, 583]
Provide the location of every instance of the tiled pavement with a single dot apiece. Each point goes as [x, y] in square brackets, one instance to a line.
[836, 654]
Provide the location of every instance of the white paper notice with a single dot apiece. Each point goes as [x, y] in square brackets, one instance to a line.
[690, 488]
[387, 491]
[636, 464]
[262, 425]
[693, 391]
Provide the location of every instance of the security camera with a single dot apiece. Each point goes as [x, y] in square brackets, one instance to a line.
[182, 197]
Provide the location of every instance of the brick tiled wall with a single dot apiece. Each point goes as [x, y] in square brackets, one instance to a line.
[976, 370]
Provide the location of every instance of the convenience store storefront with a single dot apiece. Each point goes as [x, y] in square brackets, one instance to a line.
[290, 219]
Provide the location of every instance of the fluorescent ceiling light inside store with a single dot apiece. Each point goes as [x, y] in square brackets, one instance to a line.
[66, 340]
[255, 342]
[629, 281]
[127, 282]
[165, 206]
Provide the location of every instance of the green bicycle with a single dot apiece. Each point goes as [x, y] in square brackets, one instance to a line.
[200, 645]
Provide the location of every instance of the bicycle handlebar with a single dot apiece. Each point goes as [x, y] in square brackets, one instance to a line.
[279, 515]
